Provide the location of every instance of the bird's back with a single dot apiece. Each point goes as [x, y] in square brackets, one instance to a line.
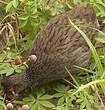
[60, 45]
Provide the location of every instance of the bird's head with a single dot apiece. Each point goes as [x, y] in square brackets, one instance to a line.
[12, 86]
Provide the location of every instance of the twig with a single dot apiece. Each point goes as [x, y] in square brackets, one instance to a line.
[1, 1]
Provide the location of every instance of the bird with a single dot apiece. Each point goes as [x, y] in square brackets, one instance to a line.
[56, 46]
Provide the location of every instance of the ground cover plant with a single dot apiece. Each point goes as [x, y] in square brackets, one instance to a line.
[20, 21]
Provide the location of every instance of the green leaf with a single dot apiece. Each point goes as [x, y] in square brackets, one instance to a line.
[29, 99]
[2, 105]
[34, 106]
[60, 88]
[23, 24]
[58, 95]
[1, 98]
[19, 68]
[23, 17]
[9, 6]
[82, 105]
[61, 101]
[40, 93]
[100, 10]
[45, 97]
[9, 71]
[47, 104]
[15, 3]
[79, 100]
[40, 107]
[6, 69]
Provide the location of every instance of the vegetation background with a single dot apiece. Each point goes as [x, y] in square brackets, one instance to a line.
[20, 21]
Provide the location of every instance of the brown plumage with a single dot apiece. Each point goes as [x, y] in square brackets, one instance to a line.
[57, 46]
